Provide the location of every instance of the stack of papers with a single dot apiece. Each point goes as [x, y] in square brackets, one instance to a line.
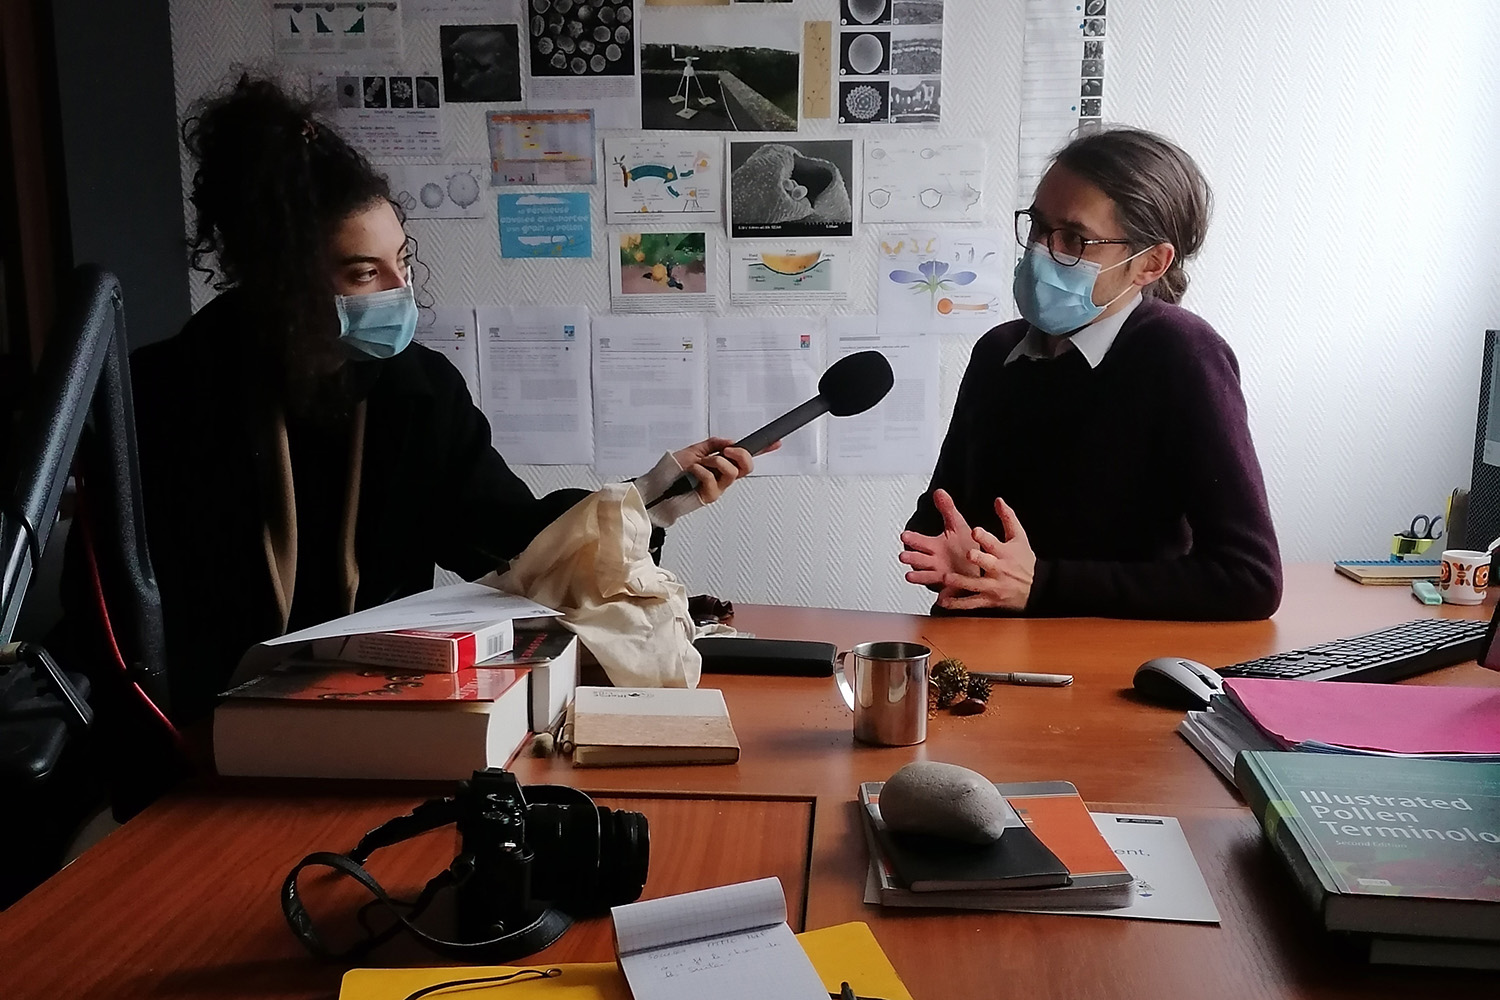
[1381, 720]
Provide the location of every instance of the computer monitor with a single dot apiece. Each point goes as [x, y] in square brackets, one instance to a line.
[1482, 524]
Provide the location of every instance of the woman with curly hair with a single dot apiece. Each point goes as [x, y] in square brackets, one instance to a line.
[300, 457]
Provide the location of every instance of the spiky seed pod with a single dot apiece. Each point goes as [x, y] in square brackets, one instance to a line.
[980, 688]
[951, 678]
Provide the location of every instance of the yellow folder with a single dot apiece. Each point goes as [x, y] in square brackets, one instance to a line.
[846, 952]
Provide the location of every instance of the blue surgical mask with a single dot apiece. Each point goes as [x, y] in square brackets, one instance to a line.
[1057, 299]
[380, 324]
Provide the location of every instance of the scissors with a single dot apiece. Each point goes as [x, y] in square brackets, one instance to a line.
[1419, 535]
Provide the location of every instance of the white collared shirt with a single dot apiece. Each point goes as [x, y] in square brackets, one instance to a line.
[1093, 341]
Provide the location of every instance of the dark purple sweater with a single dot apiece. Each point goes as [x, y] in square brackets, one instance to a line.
[1136, 481]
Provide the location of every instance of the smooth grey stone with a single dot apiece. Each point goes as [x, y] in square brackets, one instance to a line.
[944, 800]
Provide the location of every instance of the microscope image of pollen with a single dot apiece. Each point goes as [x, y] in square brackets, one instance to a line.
[463, 189]
[431, 194]
[863, 102]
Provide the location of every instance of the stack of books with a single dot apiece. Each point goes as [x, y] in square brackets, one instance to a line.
[1055, 860]
[1384, 720]
[1402, 855]
[331, 718]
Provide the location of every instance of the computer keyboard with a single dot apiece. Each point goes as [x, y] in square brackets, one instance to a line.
[1390, 654]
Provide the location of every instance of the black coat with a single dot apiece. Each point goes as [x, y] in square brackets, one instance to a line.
[433, 492]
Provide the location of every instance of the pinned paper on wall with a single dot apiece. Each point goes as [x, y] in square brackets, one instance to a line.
[767, 273]
[437, 190]
[452, 10]
[901, 434]
[336, 31]
[585, 54]
[674, 180]
[481, 63]
[649, 375]
[534, 365]
[890, 62]
[758, 369]
[449, 330]
[1062, 83]
[720, 71]
[660, 272]
[945, 281]
[541, 147]
[545, 225]
[923, 182]
[390, 115]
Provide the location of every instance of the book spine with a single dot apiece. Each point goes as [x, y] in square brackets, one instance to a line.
[1258, 786]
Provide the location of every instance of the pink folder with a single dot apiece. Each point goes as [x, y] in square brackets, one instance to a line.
[1397, 718]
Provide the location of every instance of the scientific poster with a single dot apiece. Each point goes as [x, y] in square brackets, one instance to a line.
[545, 225]
[765, 273]
[947, 281]
[674, 179]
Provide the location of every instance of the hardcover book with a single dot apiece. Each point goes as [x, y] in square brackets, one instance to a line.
[1385, 846]
[304, 720]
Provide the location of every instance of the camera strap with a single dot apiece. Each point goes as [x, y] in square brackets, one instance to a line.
[525, 940]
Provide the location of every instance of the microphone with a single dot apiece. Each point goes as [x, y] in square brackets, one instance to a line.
[851, 385]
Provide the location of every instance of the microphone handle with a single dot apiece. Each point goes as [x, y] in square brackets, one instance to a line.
[756, 442]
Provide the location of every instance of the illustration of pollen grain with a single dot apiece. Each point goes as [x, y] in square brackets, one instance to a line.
[863, 102]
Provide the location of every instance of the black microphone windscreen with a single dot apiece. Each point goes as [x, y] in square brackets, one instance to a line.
[855, 383]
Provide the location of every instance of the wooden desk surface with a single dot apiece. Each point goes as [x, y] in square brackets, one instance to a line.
[182, 901]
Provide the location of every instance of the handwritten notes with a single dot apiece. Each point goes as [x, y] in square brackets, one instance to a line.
[730, 943]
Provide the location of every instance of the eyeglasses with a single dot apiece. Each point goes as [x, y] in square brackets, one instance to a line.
[1064, 245]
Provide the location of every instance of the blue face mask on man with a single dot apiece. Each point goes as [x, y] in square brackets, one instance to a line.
[1056, 298]
[380, 324]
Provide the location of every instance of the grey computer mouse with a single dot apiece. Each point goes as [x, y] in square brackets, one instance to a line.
[1179, 683]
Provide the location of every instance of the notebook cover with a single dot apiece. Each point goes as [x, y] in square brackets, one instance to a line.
[1395, 718]
[1055, 812]
[842, 953]
[652, 726]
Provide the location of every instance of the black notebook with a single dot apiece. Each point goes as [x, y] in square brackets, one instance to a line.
[1018, 860]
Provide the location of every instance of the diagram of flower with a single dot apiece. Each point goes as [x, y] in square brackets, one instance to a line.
[932, 276]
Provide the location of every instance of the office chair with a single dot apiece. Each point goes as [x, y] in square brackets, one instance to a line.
[84, 373]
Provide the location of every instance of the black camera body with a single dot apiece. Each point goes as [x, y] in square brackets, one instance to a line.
[547, 846]
[530, 859]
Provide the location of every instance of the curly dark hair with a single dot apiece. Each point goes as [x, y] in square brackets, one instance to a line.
[271, 181]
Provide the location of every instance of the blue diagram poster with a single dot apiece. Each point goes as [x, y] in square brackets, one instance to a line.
[545, 225]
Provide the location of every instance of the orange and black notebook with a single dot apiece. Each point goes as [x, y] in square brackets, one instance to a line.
[1018, 860]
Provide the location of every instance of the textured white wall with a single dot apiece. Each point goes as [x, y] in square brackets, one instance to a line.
[1352, 262]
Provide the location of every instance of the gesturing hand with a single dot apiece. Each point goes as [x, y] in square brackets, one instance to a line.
[1005, 569]
[933, 558]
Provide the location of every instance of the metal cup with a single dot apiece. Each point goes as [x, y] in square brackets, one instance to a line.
[887, 692]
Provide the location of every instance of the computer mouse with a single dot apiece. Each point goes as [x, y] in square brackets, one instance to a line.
[1176, 682]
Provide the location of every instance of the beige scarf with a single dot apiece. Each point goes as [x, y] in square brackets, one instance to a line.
[279, 533]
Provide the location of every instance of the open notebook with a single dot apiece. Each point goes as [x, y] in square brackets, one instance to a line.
[727, 943]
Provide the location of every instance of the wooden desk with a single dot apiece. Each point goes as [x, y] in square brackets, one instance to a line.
[182, 901]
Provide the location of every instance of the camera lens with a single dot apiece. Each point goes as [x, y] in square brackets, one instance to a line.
[624, 855]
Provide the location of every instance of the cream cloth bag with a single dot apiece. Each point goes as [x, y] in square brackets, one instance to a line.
[594, 565]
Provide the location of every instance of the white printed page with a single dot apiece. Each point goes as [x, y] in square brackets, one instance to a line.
[758, 369]
[649, 376]
[729, 943]
[449, 330]
[923, 182]
[901, 434]
[534, 374]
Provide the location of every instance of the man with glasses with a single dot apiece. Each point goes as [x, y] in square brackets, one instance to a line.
[1099, 459]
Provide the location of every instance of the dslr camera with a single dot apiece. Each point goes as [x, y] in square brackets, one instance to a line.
[546, 843]
[530, 859]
